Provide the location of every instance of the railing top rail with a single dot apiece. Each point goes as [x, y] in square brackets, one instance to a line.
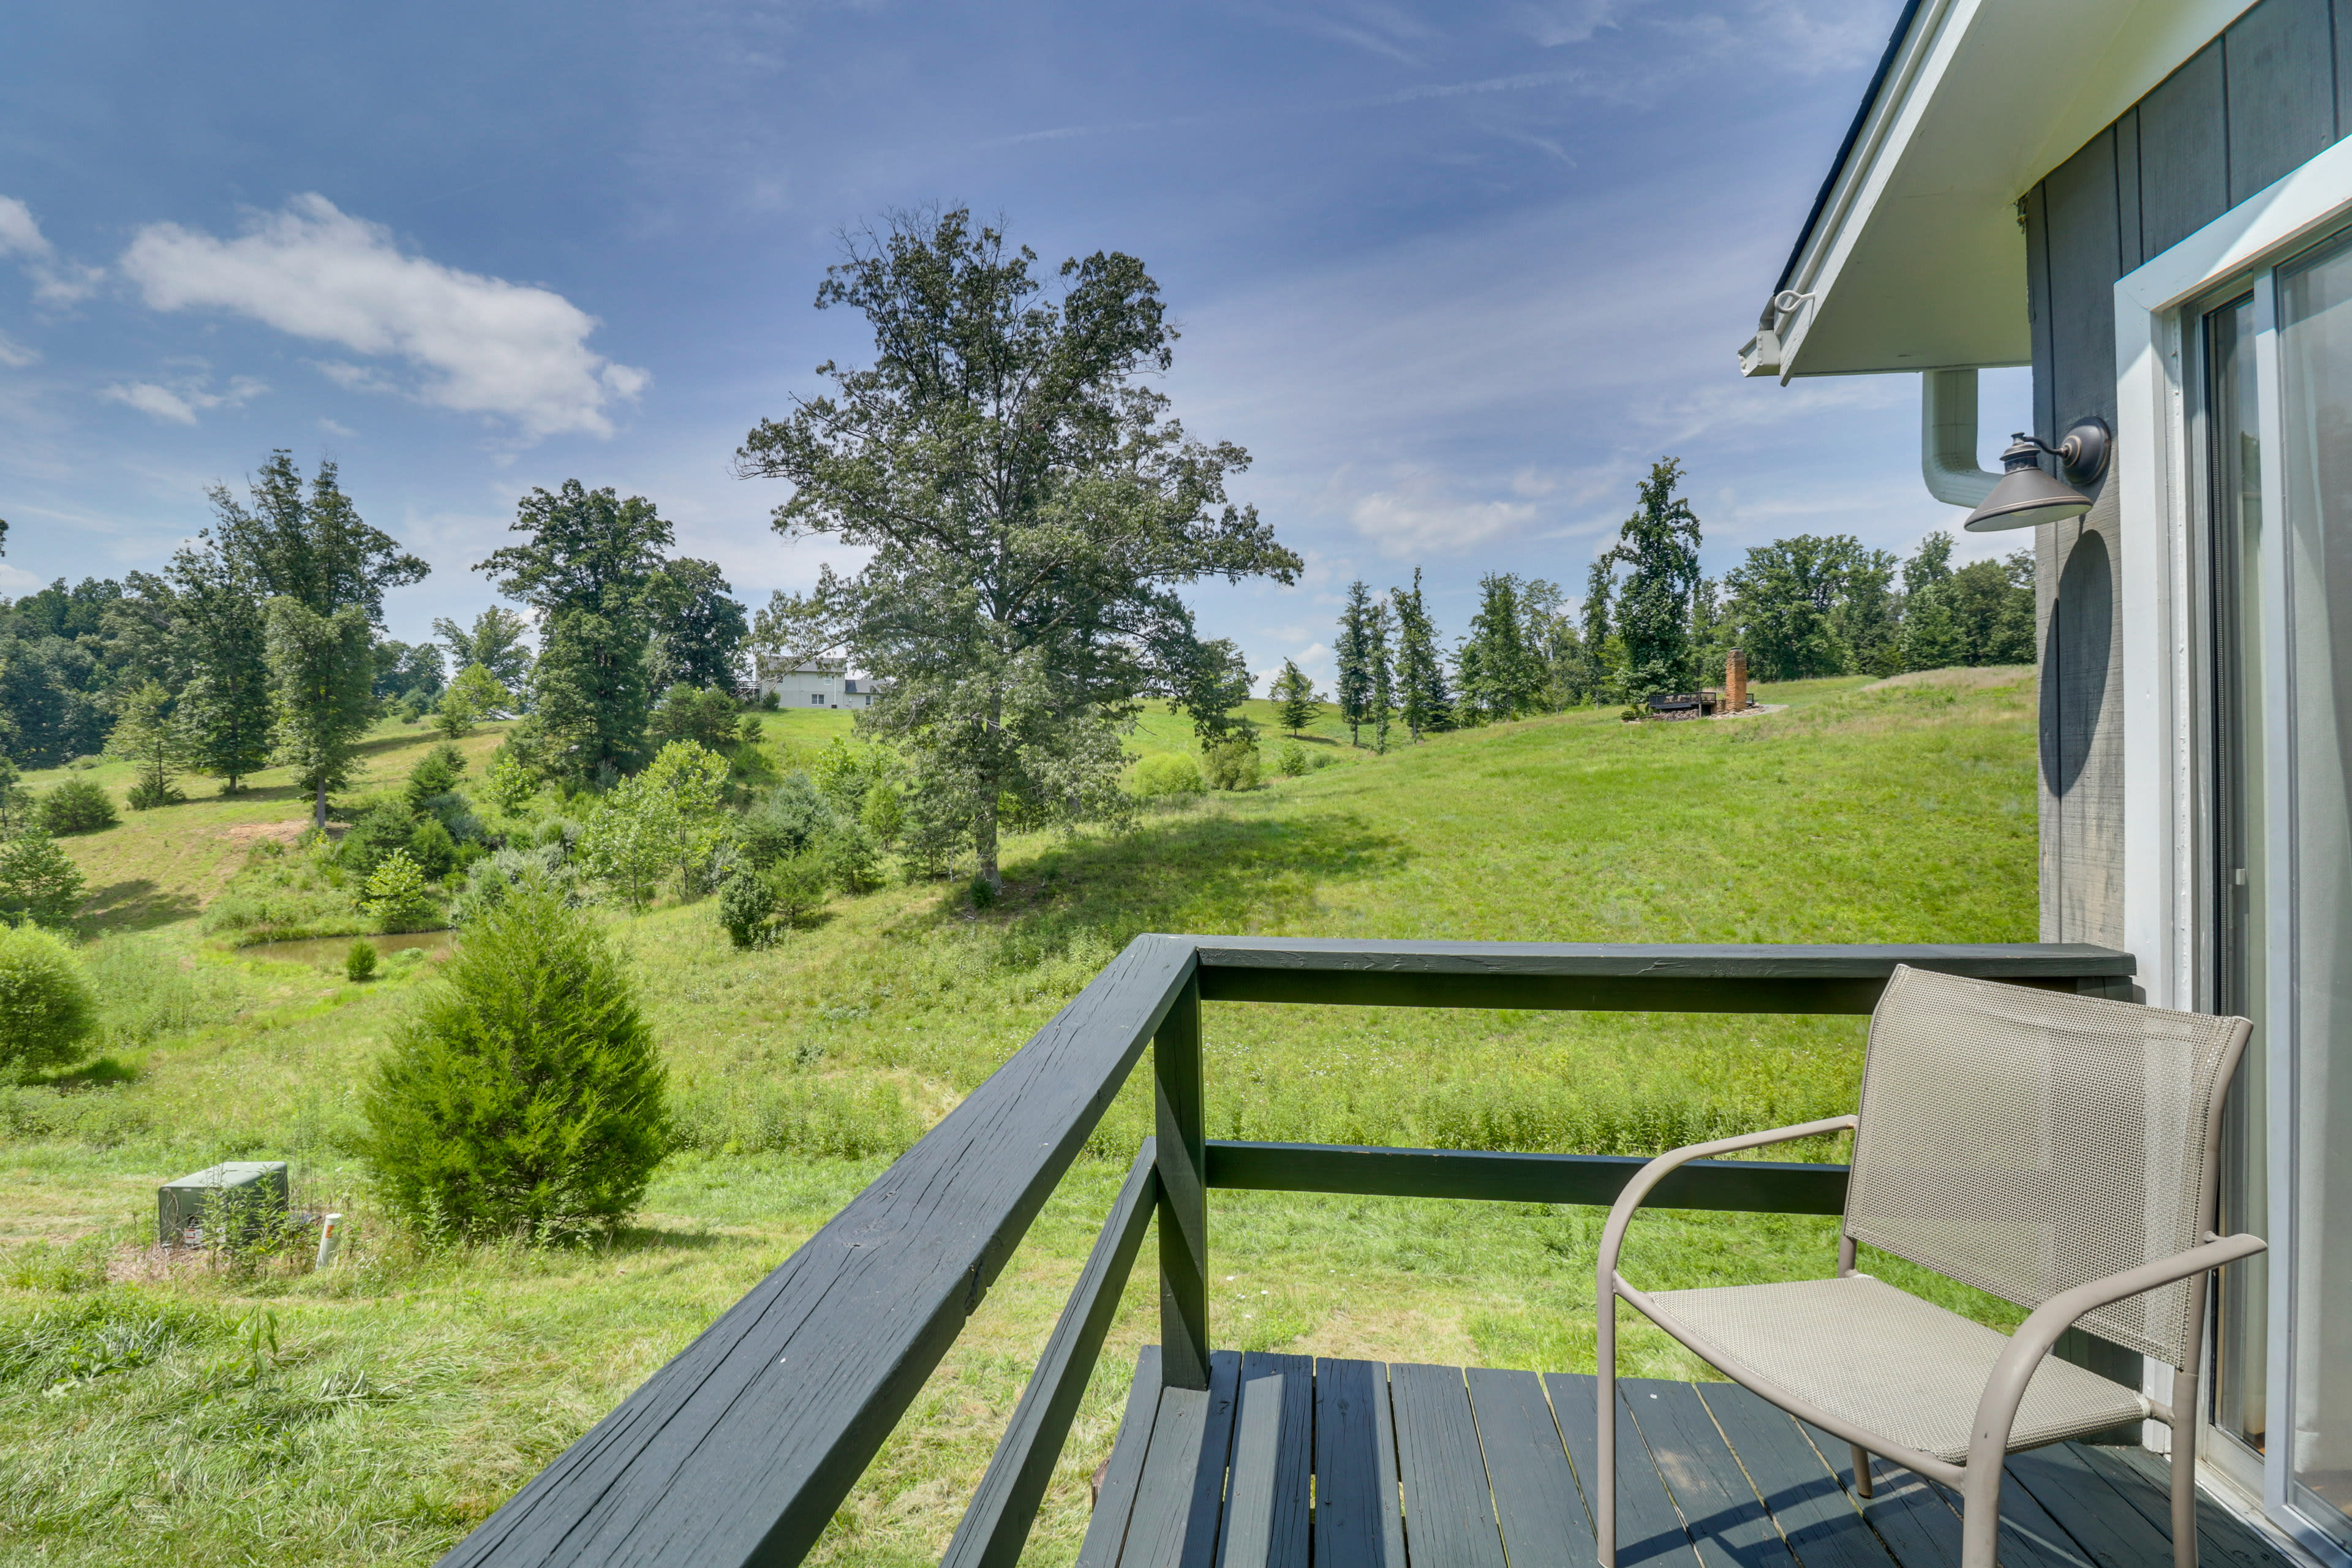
[1716, 961]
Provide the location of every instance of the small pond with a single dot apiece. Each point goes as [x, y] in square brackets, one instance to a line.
[329, 950]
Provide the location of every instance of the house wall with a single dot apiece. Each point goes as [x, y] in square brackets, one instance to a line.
[2273, 90]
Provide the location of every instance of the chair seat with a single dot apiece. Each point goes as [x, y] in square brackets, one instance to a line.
[1887, 1361]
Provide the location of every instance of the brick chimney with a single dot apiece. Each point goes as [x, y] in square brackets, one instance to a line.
[1735, 681]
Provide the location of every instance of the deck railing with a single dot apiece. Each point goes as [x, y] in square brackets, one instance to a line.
[743, 1447]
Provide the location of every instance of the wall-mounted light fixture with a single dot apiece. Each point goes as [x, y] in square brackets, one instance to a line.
[2028, 495]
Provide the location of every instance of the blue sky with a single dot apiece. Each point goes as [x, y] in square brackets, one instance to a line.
[1454, 273]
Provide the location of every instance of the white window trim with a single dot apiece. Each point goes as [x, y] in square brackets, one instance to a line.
[2164, 916]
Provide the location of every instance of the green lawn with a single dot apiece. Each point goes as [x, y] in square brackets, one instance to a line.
[410, 1391]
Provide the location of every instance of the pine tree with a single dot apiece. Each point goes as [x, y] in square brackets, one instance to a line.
[1382, 672]
[147, 735]
[1294, 697]
[1425, 704]
[524, 1095]
[1658, 545]
[1499, 676]
[1355, 682]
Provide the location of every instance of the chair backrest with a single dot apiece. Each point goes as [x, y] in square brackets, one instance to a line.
[2026, 1142]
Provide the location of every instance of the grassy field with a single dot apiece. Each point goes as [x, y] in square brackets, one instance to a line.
[373, 1412]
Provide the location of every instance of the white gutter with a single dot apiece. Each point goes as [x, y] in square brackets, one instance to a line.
[1947, 439]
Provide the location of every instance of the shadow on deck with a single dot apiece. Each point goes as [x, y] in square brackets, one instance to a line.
[1288, 1459]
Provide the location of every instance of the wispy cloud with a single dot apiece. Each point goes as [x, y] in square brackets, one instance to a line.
[56, 281]
[477, 344]
[15, 356]
[189, 395]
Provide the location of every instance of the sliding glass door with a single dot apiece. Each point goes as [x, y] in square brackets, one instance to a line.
[2240, 1408]
[2315, 391]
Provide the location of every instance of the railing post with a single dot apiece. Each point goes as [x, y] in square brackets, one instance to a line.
[1183, 1208]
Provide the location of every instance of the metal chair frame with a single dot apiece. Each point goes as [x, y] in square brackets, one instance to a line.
[1978, 1479]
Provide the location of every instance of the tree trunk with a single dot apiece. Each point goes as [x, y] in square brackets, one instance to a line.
[318, 811]
[984, 841]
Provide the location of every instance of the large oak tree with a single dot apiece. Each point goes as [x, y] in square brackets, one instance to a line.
[1029, 508]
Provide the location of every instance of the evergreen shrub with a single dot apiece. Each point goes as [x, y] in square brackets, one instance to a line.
[359, 961]
[1166, 776]
[38, 881]
[77, 806]
[747, 907]
[147, 793]
[430, 846]
[523, 1095]
[47, 1010]
[853, 861]
[1291, 760]
[383, 827]
[798, 883]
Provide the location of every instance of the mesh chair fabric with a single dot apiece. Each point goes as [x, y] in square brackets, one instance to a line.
[1887, 1361]
[2029, 1141]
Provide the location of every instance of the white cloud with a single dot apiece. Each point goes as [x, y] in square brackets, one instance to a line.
[20, 236]
[179, 403]
[333, 428]
[18, 578]
[56, 281]
[1419, 515]
[480, 344]
[15, 356]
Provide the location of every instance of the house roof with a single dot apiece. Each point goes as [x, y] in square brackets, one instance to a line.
[1914, 252]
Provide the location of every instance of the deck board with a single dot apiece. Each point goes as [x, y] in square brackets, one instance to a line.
[1650, 1532]
[1403, 1466]
[1449, 1512]
[1719, 1508]
[1536, 1496]
[1356, 1514]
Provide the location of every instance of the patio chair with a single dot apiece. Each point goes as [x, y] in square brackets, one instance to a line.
[2056, 1151]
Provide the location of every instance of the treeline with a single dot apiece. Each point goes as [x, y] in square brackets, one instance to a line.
[262, 644]
[1799, 608]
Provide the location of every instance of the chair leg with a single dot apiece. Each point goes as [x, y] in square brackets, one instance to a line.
[1861, 1469]
[1981, 1518]
[1605, 1407]
[2184, 1469]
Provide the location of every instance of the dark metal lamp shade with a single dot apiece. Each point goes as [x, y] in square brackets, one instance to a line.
[2028, 495]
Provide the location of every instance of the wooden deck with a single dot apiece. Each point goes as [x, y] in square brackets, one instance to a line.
[1350, 1463]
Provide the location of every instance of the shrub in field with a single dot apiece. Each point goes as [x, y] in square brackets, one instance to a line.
[853, 861]
[492, 878]
[747, 907]
[46, 1007]
[1291, 761]
[436, 774]
[882, 813]
[798, 884]
[396, 896]
[523, 1095]
[77, 806]
[1167, 775]
[384, 825]
[1230, 763]
[430, 846]
[358, 962]
[38, 882]
[788, 819]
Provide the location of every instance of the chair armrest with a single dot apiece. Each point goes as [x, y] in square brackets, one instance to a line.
[1620, 1214]
[2005, 1389]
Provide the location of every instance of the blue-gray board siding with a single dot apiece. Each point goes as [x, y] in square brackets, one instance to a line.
[1428, 1467]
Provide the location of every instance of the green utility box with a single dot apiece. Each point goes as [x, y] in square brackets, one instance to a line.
[249, 1193]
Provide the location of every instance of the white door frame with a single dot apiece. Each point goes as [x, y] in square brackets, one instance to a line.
[2166, 917]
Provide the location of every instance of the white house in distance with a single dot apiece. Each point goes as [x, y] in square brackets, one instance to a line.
[2150, 203]
[815, 683]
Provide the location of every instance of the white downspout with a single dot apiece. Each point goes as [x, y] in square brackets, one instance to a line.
[1947, 439]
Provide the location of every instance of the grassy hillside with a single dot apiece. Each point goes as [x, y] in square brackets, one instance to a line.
[411, 1390]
